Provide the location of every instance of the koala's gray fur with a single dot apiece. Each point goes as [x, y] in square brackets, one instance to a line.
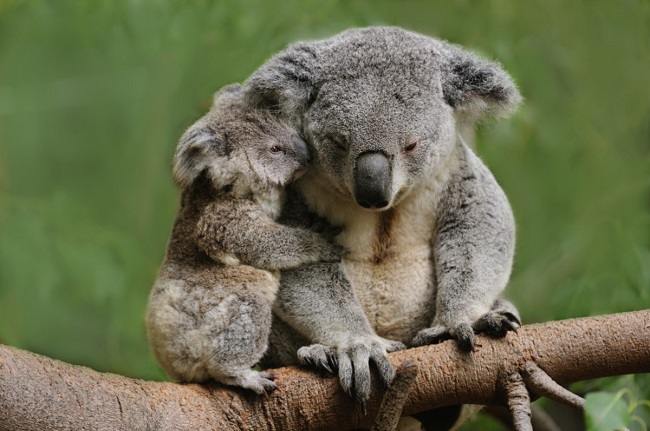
[209, 313]
[429, 233]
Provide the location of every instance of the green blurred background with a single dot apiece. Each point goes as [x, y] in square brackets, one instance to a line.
[94, 95]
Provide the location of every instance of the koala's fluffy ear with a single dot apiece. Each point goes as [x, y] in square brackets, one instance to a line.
[195, 151]
[475, 87]
[230, 90]
[285, 83]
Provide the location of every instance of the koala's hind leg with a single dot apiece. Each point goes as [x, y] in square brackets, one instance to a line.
[215, 329]
[260, 382]
[238, 346]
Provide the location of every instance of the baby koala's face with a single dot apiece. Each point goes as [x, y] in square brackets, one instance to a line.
[258, 143]
[274, 152]
[235, 141]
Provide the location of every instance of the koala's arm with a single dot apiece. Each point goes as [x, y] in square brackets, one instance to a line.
[473, 251]
[318, 301]
[239, 227]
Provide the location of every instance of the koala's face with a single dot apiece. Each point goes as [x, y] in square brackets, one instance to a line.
[377, 137]
[236, 142]
[379, 106]
[268, 150]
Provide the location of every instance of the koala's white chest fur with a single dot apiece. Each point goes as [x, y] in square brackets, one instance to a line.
[390, 265]
[390, 261]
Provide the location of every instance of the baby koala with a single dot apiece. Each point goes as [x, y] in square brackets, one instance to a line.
[209, 312]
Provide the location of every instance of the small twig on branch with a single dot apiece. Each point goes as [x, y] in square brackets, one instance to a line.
[531, 377]
[39, 393]
[393, 403]
[543, 385]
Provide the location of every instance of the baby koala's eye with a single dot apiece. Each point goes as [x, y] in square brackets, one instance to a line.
[410, 146]
[276, 149]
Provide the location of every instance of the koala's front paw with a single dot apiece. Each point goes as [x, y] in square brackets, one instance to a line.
[319, 356]
[391, 345]
[495, 323]
[463, 333]
[259, 382]
[352, 359]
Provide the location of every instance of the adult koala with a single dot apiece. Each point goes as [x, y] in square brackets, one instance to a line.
[429, 232]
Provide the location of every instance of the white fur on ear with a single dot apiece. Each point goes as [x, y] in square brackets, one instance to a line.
[192, 153]
[476, 87]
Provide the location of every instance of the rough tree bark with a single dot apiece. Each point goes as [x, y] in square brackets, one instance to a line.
[38, 393]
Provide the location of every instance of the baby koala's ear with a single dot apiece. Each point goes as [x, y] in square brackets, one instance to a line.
[225, 92]
[476, 87]
[196, 151]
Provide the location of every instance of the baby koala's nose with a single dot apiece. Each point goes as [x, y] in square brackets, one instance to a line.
[301, 149]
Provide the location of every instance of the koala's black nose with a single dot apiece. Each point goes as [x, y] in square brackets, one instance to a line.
[301, 149]
[372, 180]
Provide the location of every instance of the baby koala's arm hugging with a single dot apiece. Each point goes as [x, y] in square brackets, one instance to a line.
[239, 227]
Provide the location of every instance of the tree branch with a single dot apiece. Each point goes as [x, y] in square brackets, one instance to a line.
[40, 393]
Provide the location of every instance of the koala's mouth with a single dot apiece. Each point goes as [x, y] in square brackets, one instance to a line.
[376, 207]
[376, 210]
[299, 173]
[386, 205]
[375, 202]
[399, 196]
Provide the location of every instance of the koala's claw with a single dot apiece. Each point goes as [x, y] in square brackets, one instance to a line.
[260, 382]
[319, 356]
[463, 333]
[353, 363]
[497, 324]
[354, 369]
[434, 335]
[393, 346]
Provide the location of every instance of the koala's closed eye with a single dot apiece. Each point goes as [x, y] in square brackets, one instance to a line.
[410, 145]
